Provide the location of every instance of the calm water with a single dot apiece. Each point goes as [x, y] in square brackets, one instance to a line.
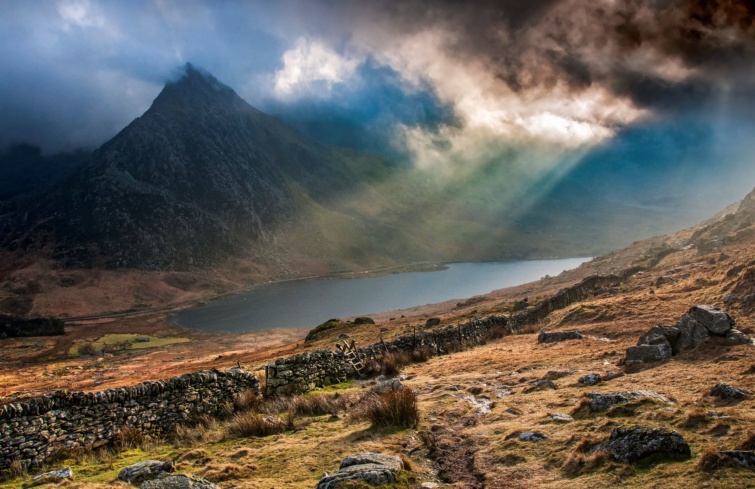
[307, 303]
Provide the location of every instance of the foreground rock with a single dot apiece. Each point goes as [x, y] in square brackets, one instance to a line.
[634, 443]
[601, 402]
[697, 326]
[741, 458]
[590, 379]
[144, 471]
[371, 468]
[180, 481]
[556, 336]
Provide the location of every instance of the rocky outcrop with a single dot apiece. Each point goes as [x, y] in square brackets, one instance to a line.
[370, 468]
[33, 430]
[634, 443]
[590, 379]
[144, 471]
[697, 326]
[556, 336]
[180, 481]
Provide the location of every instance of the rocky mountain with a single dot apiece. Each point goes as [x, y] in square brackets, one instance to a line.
[197, 177]
[24, 169]
[202, 177]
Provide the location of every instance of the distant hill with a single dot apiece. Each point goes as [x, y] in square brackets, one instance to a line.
[24, 169]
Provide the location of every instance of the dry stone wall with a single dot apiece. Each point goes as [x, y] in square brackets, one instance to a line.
[33, 430]
[306, 371]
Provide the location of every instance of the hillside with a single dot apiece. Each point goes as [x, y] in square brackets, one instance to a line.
[474, 404]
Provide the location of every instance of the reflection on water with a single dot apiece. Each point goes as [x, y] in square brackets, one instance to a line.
[307, 303]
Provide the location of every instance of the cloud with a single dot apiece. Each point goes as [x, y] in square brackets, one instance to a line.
[312, 68]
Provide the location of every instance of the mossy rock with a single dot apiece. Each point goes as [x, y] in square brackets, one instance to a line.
[329, 324]
[364, 320]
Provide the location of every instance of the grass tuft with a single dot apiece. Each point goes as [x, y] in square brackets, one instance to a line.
[252, 424]
[394, 408]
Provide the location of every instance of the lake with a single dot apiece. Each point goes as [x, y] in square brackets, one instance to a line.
[307, 303]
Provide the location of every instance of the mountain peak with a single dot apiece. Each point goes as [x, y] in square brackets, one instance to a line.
[193, 86]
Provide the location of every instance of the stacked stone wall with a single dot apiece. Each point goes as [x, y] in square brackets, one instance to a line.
[33, 430]
[306, 371]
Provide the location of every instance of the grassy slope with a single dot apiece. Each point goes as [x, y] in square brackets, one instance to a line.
[450, 388]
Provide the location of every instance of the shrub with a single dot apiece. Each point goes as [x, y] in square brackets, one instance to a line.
[246, 401]
[130, 437]
[87, 349]
[253, 424]
[423, 354]
[393, 362]
[394, 408]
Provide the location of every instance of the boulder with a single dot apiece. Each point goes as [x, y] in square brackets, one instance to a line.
[364, 320]
[727, 392]
[634, 443]
[590, 379]
[432, 322]
[556, 336]
[180, 481]
[715, 320]
[144, 471]
[647, 353]
[691, 333]
[601, 402]
[661, 334]
[370, 468]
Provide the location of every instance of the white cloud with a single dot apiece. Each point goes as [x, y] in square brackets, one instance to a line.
[311, 67]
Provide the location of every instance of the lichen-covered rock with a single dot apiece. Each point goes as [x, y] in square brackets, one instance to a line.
[147, 470]
[692, 333]
[180, 481]
[371, 468]
[728, 392]
[660, 334]
[556, 336]
[52, 477]
[602, 402]
[647, 353]
[590, 379]
[715, 320]
[634, 443]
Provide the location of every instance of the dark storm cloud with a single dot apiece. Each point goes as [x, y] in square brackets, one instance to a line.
[636, 48]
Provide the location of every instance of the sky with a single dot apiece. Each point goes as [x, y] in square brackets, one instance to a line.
[444, 84]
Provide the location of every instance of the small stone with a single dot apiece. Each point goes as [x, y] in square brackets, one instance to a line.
[557, 374]
[388, 385]
[333, 418]
[590, 379]
[601, 402]
[556, 336]
[539, 385]
[726, 392]
[532, 436]
[561, 418]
